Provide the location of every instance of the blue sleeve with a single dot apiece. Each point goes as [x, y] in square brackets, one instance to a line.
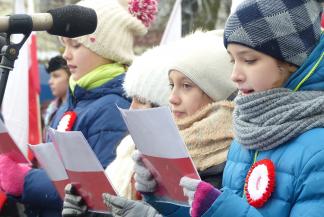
[309, 191]
[308, 195]
[39, 191]
[167, 209]
[106, 130]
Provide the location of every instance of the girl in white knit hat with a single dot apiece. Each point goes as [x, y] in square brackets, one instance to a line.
[97, 63]
[199, 77]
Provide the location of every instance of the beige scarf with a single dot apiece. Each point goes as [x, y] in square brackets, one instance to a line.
[208, 134]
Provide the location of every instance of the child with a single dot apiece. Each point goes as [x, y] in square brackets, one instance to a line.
[200, 88]
[97, 63]
[59, 83]
[146, 82]
[275, 164]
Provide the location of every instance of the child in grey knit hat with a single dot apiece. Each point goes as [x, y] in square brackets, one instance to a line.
[276, 160]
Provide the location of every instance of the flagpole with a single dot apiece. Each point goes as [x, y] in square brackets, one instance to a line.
[30, 7]
[172, 30]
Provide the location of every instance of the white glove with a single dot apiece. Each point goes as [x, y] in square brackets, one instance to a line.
[122, 207]
[73, 204]
[189, 187]
[144, 180]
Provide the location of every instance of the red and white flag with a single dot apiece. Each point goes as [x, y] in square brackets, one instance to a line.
[21, 108]
[164, 153]
[83, 168]
[172, 30]
[9, 147]
[49, 159]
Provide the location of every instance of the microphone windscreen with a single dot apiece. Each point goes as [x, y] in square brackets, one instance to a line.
[73, 21]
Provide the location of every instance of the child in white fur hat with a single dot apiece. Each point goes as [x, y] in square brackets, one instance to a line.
[97, 63]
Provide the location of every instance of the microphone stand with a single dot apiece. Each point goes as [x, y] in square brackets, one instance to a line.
[9, 54]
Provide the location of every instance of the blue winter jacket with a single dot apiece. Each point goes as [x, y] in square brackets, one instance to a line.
[101, 123]
[299, 164]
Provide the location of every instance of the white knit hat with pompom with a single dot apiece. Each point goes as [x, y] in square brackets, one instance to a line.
[117, 26]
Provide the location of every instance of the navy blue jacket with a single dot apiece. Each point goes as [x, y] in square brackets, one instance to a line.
[100, 122]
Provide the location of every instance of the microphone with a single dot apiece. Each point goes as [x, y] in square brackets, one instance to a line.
[69, 21]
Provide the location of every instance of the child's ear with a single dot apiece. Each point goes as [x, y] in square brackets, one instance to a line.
[287, 67]
[291, 68]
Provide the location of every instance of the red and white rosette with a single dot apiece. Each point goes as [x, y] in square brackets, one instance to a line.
[67, 121]
[260, 182]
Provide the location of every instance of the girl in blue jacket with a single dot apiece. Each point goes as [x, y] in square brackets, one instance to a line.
[275, 165]
[97, 63]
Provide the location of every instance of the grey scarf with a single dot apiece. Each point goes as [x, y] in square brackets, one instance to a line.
[267, 119]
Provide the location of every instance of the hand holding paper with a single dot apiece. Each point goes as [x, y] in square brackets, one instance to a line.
[73, 204]
[122, 207]
[201, 195]
[144, 180]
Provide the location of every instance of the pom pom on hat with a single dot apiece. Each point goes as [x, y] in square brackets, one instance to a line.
[144, 10]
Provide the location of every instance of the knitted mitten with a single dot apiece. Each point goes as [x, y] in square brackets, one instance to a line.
[205, 196]
[144, 180]
[12, 175]
[201, 195]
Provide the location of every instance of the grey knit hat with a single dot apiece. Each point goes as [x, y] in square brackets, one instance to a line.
[287, 30]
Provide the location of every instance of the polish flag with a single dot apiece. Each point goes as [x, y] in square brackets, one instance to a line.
[9, 147]
[164, 153]
[49, 159]
[172, 30]
[21, 107]
[83, 168]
